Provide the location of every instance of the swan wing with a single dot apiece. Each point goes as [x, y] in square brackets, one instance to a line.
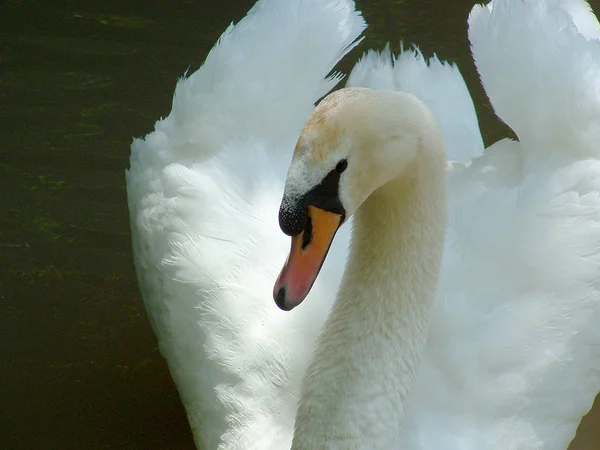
[540, 70]
[204, 190]
[436, 83]
[513, 358]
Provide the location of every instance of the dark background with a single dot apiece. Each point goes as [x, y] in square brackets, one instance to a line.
[80, 367]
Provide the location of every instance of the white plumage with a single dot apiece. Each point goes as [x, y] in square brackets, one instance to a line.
[513, 356]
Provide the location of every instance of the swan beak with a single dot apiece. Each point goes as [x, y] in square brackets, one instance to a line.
[308, 252]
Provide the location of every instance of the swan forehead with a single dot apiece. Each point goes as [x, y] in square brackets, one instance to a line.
[330, 124]
[324, 141]
[304, 174]
[319, 148]
[320, 137]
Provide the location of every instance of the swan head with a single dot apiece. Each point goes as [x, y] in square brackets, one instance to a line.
[355, 141]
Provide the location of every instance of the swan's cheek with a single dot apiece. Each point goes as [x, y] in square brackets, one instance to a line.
[307, 254]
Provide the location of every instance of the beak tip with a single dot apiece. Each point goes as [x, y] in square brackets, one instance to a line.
[279, 297]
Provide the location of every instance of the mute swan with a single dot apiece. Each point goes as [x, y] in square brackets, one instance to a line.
[509, 356]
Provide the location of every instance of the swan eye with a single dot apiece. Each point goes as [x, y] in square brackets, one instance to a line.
[341, 166]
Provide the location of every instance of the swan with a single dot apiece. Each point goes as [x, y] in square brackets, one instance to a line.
[492, 340]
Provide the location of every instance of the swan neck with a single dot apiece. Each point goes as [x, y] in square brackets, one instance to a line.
[355, 390]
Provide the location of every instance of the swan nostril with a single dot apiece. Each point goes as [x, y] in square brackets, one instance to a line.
[307, 235]
[280, 299]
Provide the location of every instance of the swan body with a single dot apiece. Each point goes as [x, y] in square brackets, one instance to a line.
[505, 355]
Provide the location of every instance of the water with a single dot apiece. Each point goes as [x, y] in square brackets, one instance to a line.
[78, 80]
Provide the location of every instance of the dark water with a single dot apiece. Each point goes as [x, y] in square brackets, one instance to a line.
[78, 79]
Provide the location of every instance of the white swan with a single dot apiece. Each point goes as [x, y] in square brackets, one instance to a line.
[511, 358]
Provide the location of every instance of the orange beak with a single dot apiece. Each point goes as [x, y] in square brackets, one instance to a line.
[307, 255]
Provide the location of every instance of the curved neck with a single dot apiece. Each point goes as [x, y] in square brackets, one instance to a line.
[365, 360]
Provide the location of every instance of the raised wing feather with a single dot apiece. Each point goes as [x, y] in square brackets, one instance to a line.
[436, 83]
[204, 191]
[513, 360]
